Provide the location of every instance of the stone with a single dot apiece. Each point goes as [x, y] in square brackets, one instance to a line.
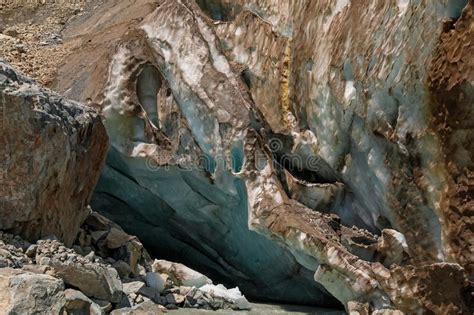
[105, 306]
[116, 238]
[23, 292]
[151, 293]
[170, 299]
[78, 249]
[122, 268]
[95, 280]
[132, 287]
[44, 261]
[124, 302]
[185, 290]
[135, 253]
[233, 296]
[111, 242]
[154, 280]
[39, 269]
[171, 306]
[78, 303]
[90, 256]
[357, 308]
[178, 298]
[67, 137]
[97, 235]
[31, 251]
[183, 275]
[9, 31]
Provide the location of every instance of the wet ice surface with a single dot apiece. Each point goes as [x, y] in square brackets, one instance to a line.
[264, 309]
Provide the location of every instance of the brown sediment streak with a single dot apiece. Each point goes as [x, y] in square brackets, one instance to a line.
[451, 80]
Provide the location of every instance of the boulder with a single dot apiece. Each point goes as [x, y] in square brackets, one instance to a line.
[110, 241]
[28, 293]
[181, 274]
[154, 280]
[52, 152]
[94, 279]
[231, 296]
[79, 304]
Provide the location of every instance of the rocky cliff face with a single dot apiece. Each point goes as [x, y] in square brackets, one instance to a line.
[302, 150]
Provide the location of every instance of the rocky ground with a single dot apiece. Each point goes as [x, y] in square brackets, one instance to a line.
[106, 271]
[31, 34]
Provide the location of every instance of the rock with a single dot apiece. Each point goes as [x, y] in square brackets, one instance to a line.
[116, 238]
[132, 287]
[78, 250]
[77, 303]
[97, 235]
[90, 257]
[178, 298]
[144, 308]
[28, 293]
[171, 306]
[9, 31]
[95, 280]
[357, 308]
[12, 251]
[122, 268]
[185, 290]
[124, 302]
[44, 261]
[68, 138]
[134, 253]
[184, 275]
[392, 247]
[233, 296]
[83, 239]
[105, 306]
[154, 280]
[20, 48]
[151, 293]
[111, 242]
[167, 279]
[39, 269]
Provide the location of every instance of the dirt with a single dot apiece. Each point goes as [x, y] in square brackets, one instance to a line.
[31, 34]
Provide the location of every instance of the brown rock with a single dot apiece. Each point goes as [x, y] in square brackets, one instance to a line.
[116, 238]
[53, 150]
